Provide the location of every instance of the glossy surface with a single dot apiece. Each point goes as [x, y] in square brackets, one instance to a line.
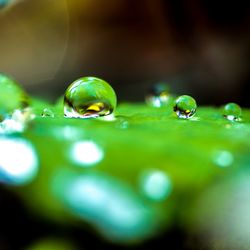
[89, 97]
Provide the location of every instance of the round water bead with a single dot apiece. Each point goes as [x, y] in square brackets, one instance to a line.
[89, 97]
[185, 106]
[158, 95]
[12, 97]
[232, 111]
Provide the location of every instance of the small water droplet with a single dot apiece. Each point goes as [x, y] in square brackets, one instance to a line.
[185, 106]
[89, 97]
[232, 112]
[47, 113]
[158, 95]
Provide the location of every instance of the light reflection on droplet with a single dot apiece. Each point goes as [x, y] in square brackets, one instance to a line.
[223, 158]
[156, 185]
[18, 161]
[17, 122]
[86, 153]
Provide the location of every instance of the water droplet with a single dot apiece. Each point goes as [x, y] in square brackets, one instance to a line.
[89, 97]
[185, 106]
[223, 158]
[12, 97]
[18, 161]
[156, 185]
[86, 153]
[17, 122]
[47, 113]
[232, 112]
[158, 95]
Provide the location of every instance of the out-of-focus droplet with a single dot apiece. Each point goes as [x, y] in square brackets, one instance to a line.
[158, 95]
[223, 158]
[185, 106]
[47, 113]
[232, 112]
[156, 185]
[17, 122]
[89, 97]
[86, 153]
[18, 161]
[108, 204]
[12, 96]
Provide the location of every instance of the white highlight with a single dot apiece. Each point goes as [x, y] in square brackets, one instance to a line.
[18, 161]
[156, 185]
[86, 153]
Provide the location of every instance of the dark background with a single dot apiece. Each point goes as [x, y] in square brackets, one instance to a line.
[197, 47]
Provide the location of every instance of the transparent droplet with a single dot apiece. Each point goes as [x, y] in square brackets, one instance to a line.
[18, 161]
[12, 97]
[89, 97]
[47, 113]
[185, 106]
[232, 112]
[158, 95]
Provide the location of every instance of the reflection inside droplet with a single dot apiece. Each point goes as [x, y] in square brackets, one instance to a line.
[185, 106]
[89, 97]
[86, 153]
[18, 161]
[156, 185]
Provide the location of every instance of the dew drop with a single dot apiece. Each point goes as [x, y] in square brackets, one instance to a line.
[47, 113]
[89, 97]
[158, 95]
[232, 112]
[185, 106]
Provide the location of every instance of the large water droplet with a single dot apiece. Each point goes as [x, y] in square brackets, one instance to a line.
[89, 97]
[232, 111]
[185, 106]
[158, 95]
[18, 161]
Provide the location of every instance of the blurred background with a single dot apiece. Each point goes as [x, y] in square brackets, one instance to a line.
[198, 47]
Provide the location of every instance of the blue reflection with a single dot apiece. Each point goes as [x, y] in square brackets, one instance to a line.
[18, 161]
[111, 206]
